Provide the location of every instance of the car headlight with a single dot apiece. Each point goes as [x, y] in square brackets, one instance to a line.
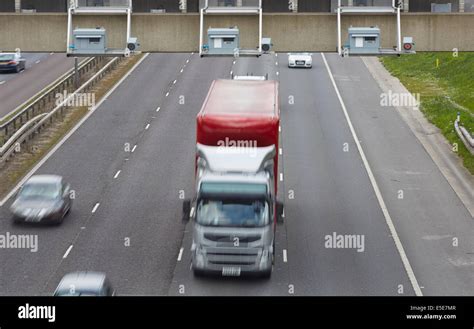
[21, 212]
[43, 212]
[48, 211]
[26, 212]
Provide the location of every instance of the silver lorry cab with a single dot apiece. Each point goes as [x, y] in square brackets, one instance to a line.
[233, 212]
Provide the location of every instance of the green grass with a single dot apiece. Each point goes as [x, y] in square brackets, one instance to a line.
[446, 86]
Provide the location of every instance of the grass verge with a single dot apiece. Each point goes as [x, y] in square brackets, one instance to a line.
[446, 86]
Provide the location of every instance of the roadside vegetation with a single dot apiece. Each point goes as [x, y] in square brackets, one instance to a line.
[445, 83]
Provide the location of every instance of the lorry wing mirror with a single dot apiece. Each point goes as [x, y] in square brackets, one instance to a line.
[186, 210]
[280, 209]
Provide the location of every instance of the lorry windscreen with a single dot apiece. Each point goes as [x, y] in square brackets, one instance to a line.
[233, 213]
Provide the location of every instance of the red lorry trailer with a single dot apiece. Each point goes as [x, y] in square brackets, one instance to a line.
[241, 113]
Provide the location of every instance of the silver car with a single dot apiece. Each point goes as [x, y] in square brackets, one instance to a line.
[84, 284]
[43, 198]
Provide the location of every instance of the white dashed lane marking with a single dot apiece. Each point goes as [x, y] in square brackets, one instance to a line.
[95, 207]
[67, 251]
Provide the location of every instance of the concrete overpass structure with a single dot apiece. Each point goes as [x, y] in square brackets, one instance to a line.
[268, 5]
[289, 32]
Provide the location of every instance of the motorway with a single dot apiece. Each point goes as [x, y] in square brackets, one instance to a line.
[130, 161]
[41, 70]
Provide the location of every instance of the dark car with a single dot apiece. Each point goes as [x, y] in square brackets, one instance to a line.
[84, 284]
[12, 62]
[43, 198]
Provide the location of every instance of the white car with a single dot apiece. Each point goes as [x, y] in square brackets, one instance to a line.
[300, 60]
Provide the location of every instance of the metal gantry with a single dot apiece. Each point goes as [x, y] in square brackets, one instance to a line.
[95, 7]
[393, 9]
[230, 7]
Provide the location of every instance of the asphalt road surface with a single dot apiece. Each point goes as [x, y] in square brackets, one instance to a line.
[41, 70]
[131, 160]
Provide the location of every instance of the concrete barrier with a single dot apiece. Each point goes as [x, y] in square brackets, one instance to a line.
[289, 32]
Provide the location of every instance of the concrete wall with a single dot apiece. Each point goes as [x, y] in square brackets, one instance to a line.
[289, 32]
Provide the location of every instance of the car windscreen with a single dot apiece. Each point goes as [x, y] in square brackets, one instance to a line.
[6, 57]
[40, 190]
[233, 213]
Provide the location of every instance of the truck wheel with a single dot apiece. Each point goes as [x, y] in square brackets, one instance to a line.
[267, 274]
[198, 273]
[273, 253]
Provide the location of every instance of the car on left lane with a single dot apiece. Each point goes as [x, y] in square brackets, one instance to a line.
[43, 198]
[12, 62]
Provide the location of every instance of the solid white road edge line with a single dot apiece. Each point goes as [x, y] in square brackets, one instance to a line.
[71, 132]
[378, 194]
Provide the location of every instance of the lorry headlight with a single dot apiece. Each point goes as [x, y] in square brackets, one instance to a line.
[199, 249]
[265, 258]
[199, 256]
[200, 252]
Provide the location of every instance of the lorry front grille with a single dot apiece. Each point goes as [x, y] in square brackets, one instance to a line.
[232, 256]
[226, 238]
[226, 260]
